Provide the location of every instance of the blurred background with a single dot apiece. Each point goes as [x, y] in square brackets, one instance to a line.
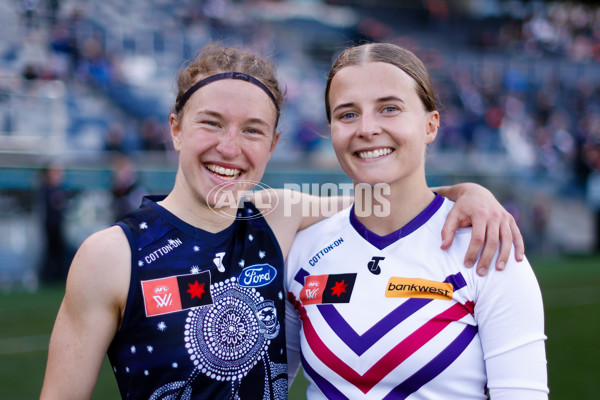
[86, 88]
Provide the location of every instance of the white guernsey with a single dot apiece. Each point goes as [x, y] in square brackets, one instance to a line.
[396, 317]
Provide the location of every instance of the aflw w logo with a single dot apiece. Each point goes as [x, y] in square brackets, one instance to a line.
[163, 301]
[311, 293]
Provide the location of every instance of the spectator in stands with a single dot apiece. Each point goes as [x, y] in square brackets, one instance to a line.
[30, 73]
[152, 136]
[64, 46]
[308, 137]
[114, 141]
[29, 13]
[53, 8]
[54, 202]
[126, 188]
[591, 154]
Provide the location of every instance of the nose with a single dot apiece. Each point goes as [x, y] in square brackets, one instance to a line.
[229, 145]
[368, 126]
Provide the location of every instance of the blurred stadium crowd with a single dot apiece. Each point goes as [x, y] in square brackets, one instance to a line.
[518, 81]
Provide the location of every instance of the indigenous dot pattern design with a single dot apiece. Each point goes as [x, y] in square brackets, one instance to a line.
[228, 339]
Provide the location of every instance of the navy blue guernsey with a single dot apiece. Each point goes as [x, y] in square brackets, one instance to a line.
[205, 311]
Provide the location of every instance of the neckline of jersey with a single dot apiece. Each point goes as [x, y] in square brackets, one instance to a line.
[188, 228]
[382, 242]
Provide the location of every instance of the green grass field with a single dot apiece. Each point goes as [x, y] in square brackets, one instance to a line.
[570, 286]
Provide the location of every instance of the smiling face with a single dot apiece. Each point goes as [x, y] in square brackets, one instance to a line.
[379, 125]
[225, 138]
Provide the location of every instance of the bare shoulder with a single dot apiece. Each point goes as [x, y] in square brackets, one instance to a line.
[107, 250]
[105, 241]
[101, 270]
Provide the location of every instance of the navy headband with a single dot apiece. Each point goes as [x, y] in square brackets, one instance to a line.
[226, 75]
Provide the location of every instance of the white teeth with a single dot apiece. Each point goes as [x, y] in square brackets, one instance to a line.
[375, 153]
[225, 173]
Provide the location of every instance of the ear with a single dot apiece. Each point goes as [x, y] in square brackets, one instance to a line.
[274, 142]
[175, 132]
[432, 126]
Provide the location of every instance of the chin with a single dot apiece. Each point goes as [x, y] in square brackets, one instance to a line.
[370, 181]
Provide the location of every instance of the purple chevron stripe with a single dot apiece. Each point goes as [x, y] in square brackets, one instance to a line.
[302, 273]
[361, 343]
[328, 389]
[435, 366]
[457, 281]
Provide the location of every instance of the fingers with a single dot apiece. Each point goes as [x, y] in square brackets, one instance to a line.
[506, 240]
[449, 229]
[495, 235]
[492, 239]
[477, 239]
[517, 240]
[494, 229]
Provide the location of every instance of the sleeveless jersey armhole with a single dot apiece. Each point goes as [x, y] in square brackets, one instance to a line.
[132, 278]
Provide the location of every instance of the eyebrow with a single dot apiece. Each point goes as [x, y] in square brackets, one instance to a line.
[345, 105]
[390, 98]
[216, 114]
[258, 121]
[379, 100]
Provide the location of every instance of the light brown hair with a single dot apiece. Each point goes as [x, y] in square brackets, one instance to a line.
[388, 53]
[215, 58]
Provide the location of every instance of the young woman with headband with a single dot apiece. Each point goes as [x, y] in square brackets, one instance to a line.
[186, 295]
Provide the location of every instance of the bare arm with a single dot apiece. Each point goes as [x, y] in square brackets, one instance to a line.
[492, 225]
[289, 211]
[89, 316]
[318, 208]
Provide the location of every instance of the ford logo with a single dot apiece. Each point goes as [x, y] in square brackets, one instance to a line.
[257, 275]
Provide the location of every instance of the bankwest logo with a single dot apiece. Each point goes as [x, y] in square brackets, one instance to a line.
[176, 293]
[421, 288]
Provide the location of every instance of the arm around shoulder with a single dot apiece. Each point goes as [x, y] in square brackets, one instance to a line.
[493, 226]
[89, 316]
[288, 211]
